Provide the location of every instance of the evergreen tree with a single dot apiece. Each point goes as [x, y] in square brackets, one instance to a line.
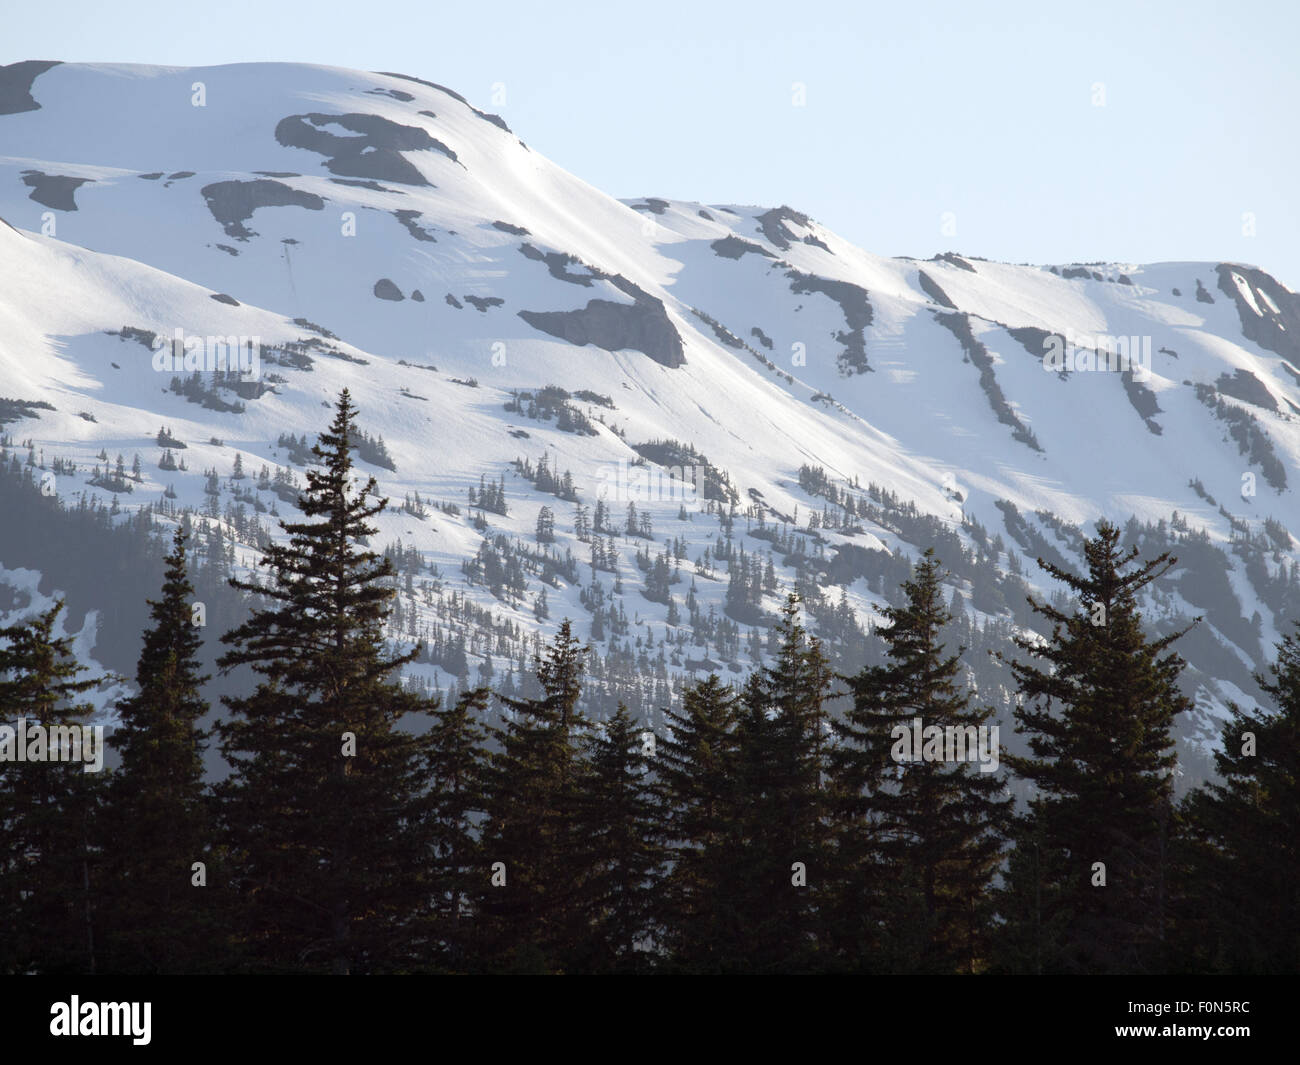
[327, 803]
[529, 841]
[545, 526]
[1244, 914]
[48, 807]
[1099, 703]
[158, 818]
[915, 823]
[618, 855]
[457, 757]
[696, 769]
[783, 811]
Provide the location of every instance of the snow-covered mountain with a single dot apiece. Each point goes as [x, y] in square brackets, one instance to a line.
[500, 321]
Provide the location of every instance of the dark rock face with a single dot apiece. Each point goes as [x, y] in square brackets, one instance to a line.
[417, 295]
[396, 94]
[16, 85]
[386, 290]
[454, 302]
[931, 288]
[628, 288]
[375, 151]
[642, 326]
[1248, 388]
[856, 306]
[496, 120]
[221, 297]
[232, 203]
[151, 177]
[1143, 401]
[732, 247]
[1202, 295]
[506, 227]
[373, 186]
[957, 261]
[408, 219]
[1278, 332]
[484, 302]
[1033, 340]
[558, 263]
[959, 325]
[54, 190]
[653, 205]
[772, 225]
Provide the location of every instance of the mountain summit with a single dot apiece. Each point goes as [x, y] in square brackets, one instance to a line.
[652, 416]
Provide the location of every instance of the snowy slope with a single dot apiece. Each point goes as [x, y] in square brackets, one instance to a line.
[380, 226]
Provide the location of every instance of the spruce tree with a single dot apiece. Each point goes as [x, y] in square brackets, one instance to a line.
[530, 886]
[929, 828]
[49, 808]
[158, 818]
[1244, 912]
[1099, 703]
[457, 760]
[327, 807]
[695, 788]
[617, 850]
[783, 804]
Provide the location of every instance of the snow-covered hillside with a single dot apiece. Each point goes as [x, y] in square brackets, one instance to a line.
[491, 314]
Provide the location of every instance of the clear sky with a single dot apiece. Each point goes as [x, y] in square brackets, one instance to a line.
[1034, 131]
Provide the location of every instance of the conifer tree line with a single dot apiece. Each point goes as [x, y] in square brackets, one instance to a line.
[366, 828]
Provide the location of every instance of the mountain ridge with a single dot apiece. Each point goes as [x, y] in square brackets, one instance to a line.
[284, 205]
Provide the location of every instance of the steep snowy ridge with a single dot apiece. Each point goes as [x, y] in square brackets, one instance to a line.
[378, 232]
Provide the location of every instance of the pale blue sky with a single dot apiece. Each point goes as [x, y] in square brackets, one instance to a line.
[913, 110]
